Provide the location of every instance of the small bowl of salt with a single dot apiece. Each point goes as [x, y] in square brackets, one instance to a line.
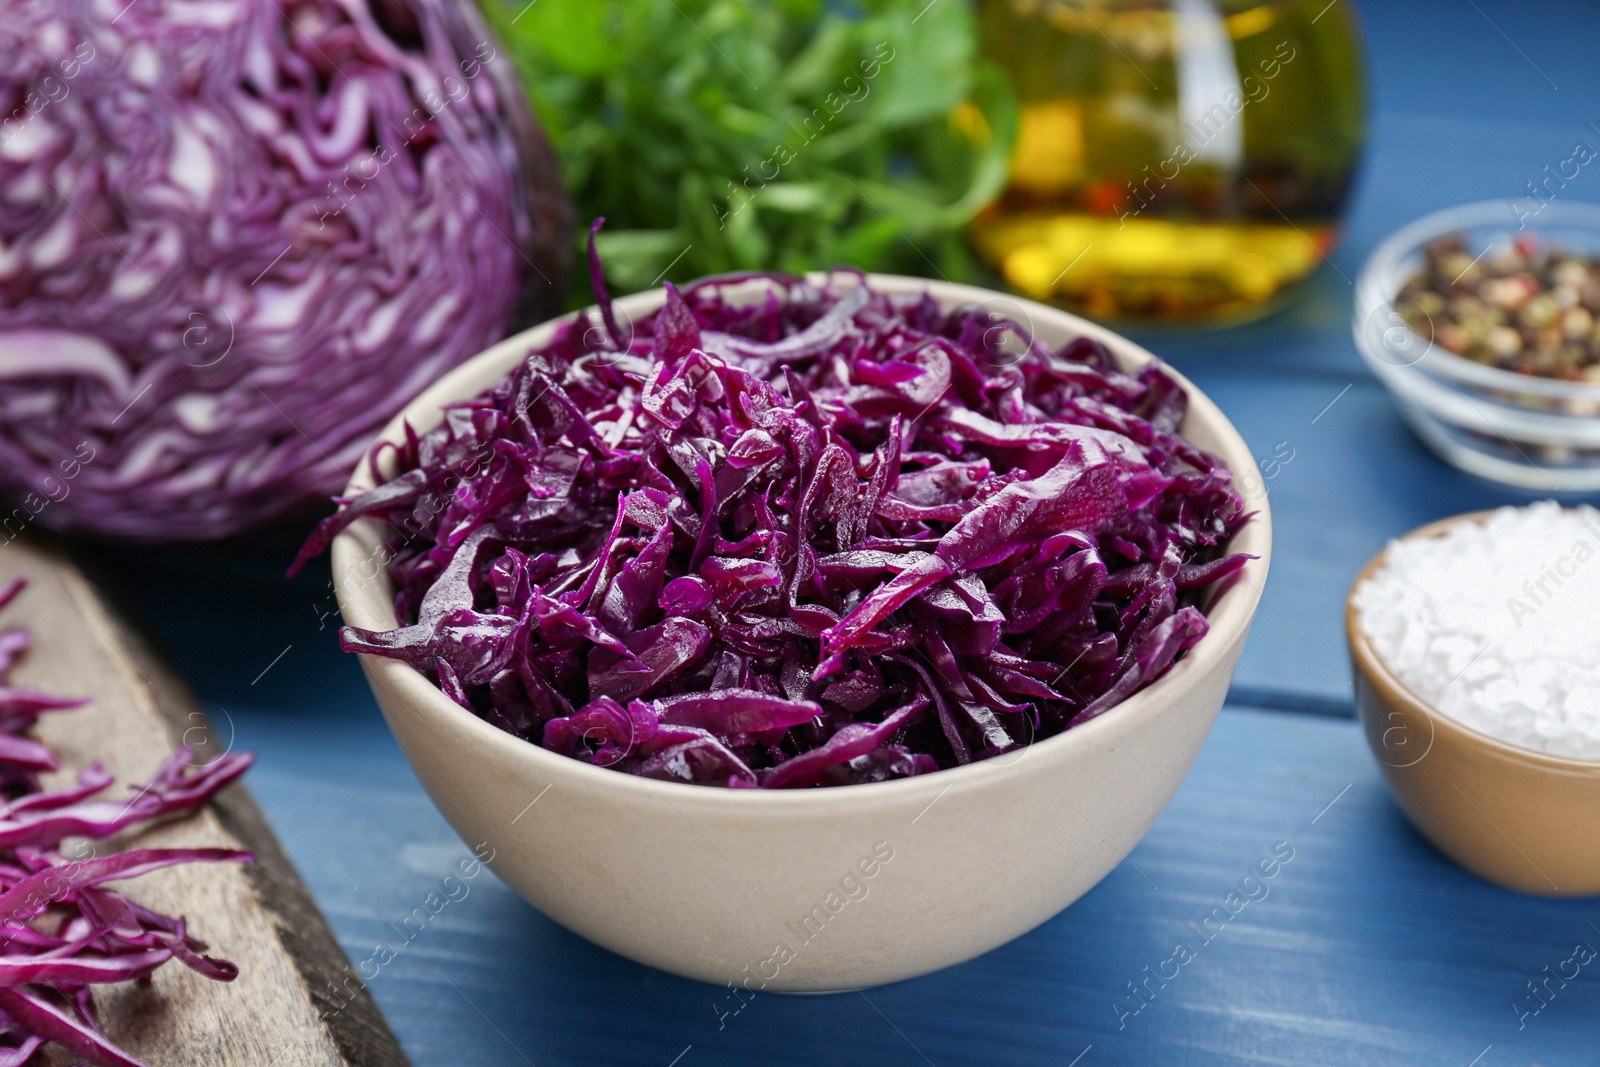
[1476, 645]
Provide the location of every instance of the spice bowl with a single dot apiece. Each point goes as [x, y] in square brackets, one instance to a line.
[808, 889]
[1522, 819]
[1517, 429]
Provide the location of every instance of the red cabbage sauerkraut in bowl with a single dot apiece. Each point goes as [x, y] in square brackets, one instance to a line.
[790, 532]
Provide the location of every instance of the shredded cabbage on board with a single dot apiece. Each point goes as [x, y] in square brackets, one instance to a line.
[62, 930]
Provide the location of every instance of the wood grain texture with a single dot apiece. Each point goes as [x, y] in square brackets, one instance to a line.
[292, 1005]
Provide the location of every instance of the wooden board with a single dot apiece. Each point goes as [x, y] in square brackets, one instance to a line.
[295, 1003]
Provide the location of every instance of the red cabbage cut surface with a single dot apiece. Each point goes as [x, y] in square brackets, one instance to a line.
[236, 237]
[62, 930]
[828, 536]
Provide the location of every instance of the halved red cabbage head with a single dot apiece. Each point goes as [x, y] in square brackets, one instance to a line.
[808, 535]
[235, 238]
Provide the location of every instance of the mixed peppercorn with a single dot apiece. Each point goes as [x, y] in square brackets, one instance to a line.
[1525, 307]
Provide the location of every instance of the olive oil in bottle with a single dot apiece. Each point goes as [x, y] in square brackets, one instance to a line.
[1176, 159]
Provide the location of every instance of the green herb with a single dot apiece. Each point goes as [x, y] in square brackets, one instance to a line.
[720, 135]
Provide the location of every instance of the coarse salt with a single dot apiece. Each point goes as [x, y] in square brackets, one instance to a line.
[1497, 625]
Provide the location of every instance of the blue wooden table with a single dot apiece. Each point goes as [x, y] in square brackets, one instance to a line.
[1369, 948]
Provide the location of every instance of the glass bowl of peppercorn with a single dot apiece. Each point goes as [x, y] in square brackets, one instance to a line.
[1484, 321]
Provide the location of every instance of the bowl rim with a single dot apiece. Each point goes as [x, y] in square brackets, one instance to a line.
[1370, 663]
[371, 604]
[1378, 283]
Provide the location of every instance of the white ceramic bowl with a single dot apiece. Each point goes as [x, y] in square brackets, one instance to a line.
[819, 889]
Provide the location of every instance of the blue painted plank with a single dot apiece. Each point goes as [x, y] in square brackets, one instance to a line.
[1341, 481]
[1366, 947]
[1372, 947]
[1485, 60]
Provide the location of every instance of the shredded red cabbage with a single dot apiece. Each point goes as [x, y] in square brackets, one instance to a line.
[820, 537]
[61, 930]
